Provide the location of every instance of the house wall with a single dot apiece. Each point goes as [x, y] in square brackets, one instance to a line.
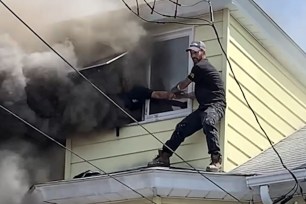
[135, 147]
[276, 97]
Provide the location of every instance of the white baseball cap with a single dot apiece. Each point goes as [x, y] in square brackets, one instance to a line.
[196, 46]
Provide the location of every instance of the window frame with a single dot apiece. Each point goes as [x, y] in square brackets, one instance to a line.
[147, 117]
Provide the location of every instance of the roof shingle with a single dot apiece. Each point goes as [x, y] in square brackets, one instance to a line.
[291, 149]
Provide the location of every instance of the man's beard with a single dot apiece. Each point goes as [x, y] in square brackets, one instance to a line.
[195, 60]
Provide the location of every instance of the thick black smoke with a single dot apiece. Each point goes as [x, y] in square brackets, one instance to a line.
[60, 102]
[38, 86]
[65, 104]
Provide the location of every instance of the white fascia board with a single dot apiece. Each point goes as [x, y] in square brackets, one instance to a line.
[282, 47]
[150, 182]
[281, 177]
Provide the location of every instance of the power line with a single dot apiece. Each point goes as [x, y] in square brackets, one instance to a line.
[163, 22]
[185, 5]
[296, 185]
[152, 10]
[44, 134]
[114, 103]
[175, 14]
[254, 113]
[72, 152]
[249, 106]
[137, 3]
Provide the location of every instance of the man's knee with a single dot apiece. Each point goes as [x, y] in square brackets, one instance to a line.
[210, 117]
[180, 127]
[209, 121]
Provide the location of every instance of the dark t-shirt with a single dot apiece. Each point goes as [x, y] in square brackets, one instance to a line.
[136, 97]
[208, 83]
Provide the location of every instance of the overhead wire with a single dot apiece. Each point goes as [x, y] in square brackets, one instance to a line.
[189, 5]
[163, 22]
[69, 150]
[297, 185]
[153, 7]
[176, 6]
[137, 4]
[123, 109]
[256, 118]
[46, 135]
[111, 100]
[176, 16]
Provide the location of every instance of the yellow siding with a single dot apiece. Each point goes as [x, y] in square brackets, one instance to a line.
[276, 97]
[134, 148]
[130, 151]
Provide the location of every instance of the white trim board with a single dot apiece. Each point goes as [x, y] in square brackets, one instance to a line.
[150, 182]
[165, 183]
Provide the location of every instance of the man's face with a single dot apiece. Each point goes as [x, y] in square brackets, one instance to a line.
[196, 56]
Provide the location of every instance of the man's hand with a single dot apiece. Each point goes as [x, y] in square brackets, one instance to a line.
[175, 90]
[182, 94]
[163, 95]
[171, 96]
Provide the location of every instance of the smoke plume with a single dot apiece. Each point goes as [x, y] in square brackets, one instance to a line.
[13, 178]
[41, 88]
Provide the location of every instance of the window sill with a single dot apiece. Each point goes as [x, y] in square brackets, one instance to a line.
[162, 118]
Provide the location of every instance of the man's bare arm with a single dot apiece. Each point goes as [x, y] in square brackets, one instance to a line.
[185, 95]
[162, 95]
[181, 85]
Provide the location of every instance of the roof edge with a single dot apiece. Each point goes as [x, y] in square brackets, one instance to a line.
[287, 52]
[279, 177]
[151, 182]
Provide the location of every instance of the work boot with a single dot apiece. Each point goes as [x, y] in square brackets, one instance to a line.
[215, 165]
[162, 159]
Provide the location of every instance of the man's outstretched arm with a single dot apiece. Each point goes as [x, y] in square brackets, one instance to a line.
[162, 95]
[185, 95]
[181, 85]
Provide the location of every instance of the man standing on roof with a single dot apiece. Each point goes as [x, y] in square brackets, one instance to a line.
[209, 92]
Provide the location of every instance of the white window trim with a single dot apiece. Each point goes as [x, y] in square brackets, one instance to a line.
[177, 113]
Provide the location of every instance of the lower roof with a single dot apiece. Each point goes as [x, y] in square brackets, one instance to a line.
[172, 183]
[150, 182]
[291, 149]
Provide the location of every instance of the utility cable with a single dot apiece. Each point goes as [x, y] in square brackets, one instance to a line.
[46, 135]
[252, 110]
[153, 7]
[175, 12]
[176, 16]
[137, 4]
[113, 102]
[249, 106]
[163, 22]
[72, 152]
[185, 5]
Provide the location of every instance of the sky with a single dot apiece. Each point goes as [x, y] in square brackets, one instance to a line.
[290, 16]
